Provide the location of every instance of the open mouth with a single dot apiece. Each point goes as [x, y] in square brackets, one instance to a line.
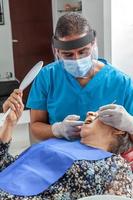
[91, 117]
[88, 121]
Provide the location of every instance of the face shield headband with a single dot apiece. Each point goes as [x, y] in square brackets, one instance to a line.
[74, 44]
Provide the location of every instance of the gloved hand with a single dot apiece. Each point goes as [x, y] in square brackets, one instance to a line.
[117, 117]
[68, 128]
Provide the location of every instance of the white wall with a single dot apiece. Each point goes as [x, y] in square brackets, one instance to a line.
[59, 5]
[6, 54]
[98, 13]
[122, 35]
[112, 19]
[93, 11]
[107, 34]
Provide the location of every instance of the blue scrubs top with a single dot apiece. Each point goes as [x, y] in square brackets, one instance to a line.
[60, 94]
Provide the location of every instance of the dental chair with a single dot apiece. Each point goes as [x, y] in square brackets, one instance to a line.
[105, 197]
[129, 157]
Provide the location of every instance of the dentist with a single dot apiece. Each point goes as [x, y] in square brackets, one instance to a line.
[77, 82]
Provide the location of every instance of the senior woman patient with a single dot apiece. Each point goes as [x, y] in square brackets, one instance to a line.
[68, 170]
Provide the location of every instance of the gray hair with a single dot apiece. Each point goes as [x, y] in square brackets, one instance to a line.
[70, 24]
[123, 144]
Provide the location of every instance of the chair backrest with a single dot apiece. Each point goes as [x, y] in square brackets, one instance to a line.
[105, 197]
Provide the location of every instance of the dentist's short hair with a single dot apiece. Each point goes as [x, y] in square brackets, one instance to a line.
[72, 23]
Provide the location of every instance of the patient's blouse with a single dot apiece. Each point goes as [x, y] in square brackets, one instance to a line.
[107, 176]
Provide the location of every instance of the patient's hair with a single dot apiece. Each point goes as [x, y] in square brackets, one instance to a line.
[123, 144]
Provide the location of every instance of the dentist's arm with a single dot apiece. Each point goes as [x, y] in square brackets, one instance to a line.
[69, 128]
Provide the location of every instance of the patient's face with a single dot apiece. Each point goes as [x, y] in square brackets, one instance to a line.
[93, 125]
[96, 133]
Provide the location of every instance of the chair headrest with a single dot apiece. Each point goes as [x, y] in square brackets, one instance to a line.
[129, 156]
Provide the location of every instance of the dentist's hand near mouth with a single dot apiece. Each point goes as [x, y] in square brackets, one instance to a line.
[116, 116]
[69, 128]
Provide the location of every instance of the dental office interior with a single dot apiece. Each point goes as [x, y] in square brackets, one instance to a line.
[26, 29]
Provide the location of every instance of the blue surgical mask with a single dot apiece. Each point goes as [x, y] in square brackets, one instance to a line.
[79, 67]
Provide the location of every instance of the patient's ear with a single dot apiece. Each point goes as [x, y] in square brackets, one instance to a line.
[118, 132]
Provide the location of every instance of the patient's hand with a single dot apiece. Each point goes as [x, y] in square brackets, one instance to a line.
[14, 116]
[15, 103]
[13, 100]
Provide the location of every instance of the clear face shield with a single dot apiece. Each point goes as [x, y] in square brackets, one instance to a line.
[94, 53]
[74, 44]
[68, 46]
[84, 46]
